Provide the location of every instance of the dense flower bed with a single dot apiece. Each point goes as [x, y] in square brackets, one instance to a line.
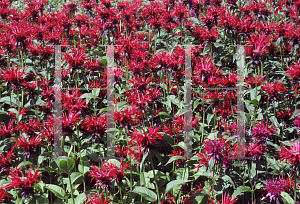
[150, 40]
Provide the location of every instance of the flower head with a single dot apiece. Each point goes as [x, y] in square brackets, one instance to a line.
[146, 139]
[273, 89]
[292, 154]
[3, 193]
[275, 187]
[294, 72]
[98, 199]
[7, 131]
[108, 173]
[261, 132]
[13, 76]
[5, 161]
[25, 184]
[225, 200]
[214, 147]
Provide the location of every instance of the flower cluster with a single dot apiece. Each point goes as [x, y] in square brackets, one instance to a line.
[108, 173]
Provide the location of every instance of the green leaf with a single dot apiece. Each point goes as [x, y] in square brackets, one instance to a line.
[169, 139]
[182, 174]
[209, 117]
[254, 101]
[67, 165]
[173, 184]
[218, 44]
[7, 100]
[43, 199]
[58, 191]
[13, 110]
[164, 113]
[174, 158]
[98, 52]
[211, 163]
[93, 155]
[143, 178]
[287, 198]
[145, 193]
[157, 155]
[143, 159]
[227, 178]
[183, 146]
[297, 111]
[24, 163]
[240, 190]
[75, 176]
[96, 92]
[103, 62]
[197, 102]
[272, 144]
[88, 95]
[3, 112]
[80, 198]
[83, 169]
[196, 20]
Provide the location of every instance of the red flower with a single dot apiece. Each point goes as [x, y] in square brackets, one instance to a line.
[273, 89]
[225, 200]
[5, 161]
[98, 200]
[297, 121]
[108, 173]
[292, 154]
[48, 131]
[3, 193]
[129, 118]
[285, 115]
[30, 128]
[274, 188]
[135, 152]
[261, 132]
[20, 112]
[7, 131]
[145, 139]
[214, 148]
[294, 72]
[92, 65]
[13, 76]
[73, 103]
[72, 7]
[24, 183]
[171, 130]
[20, 31]
[180, 121]
[229, 129]
[76, 59]
[204, 160]
[259, 45]
[95, 125]
[178, 151]
[28, 146]
[140, 83]
[252, 150]
[139, 99]
[251, 80]
[69, 121]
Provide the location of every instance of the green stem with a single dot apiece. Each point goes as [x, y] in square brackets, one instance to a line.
[262, 68]
[295, 187]
[250, 180]
[121, 194]
[155, 181]
[77, 129]
[71, 189]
